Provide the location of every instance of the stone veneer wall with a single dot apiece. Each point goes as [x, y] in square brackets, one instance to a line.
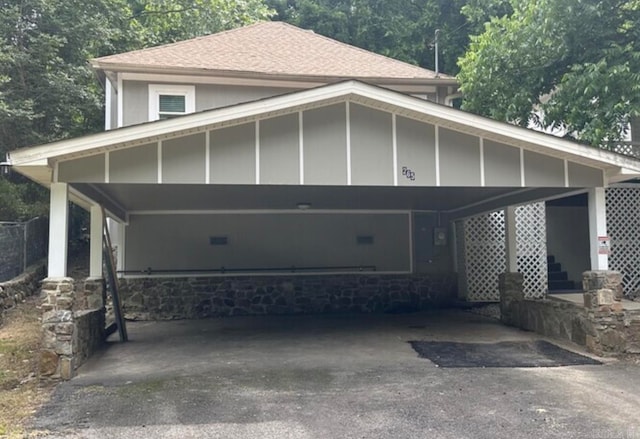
[602, 325]
[16, 290]
[90, 334]
[201, 297]
[71, 333]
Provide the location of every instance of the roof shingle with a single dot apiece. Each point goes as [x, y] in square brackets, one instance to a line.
[268, 48]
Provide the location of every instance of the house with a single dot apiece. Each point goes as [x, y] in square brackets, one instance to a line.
[268, 169]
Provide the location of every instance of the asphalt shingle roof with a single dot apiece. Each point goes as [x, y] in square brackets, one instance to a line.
[268, 48]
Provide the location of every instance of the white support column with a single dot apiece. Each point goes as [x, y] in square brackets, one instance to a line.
[58, 230]
[510, 239]
[597, 228]
[116, 233]
[95, 253]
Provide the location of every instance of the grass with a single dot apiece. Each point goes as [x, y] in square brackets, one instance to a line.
[21, 393]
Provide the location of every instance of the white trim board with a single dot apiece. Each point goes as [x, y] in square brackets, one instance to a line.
[270, 212]
[259, 273]
[156, 90]
[286, 83]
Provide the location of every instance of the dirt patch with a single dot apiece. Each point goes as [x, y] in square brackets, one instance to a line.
[21, 392]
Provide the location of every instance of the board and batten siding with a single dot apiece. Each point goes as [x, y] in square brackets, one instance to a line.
[259, 241]
[336, 145]
[325, 145]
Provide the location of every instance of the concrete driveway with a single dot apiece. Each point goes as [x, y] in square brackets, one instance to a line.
[332, 377]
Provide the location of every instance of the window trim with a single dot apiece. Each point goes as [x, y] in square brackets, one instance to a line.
[155, 90]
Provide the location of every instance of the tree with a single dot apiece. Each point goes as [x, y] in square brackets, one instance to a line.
[49, 92]
[401, 29]
[47, 89]
[576, 62]
[166, 21]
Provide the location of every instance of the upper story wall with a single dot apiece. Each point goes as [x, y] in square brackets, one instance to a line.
[137, 98]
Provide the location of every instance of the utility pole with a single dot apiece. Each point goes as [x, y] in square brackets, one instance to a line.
[437, 35]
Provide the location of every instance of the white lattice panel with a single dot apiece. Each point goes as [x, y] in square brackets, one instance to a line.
[623, 227]
[531, 246]
[482, 256]
[632, 150]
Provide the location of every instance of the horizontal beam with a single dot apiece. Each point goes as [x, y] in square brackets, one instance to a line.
[90, 195]
[517, 197]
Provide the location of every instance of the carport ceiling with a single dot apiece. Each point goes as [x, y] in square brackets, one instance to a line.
[182, 197]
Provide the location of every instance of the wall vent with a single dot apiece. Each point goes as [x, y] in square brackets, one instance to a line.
[218, 240]
[364, 239]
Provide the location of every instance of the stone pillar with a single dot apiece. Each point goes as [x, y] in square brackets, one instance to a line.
[73, 323]
[92, 296]
[58, 327]
[90, 318]
[602, 290]
[511, 296]
[603, 303]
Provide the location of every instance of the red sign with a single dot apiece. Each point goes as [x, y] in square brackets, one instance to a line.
[604, 245]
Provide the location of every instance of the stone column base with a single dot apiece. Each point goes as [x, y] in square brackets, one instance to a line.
[71, 331]
[511, 296]
[602, 289]
[58, 328]
[603, 303]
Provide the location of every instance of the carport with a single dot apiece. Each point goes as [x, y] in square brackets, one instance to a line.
[342, 198]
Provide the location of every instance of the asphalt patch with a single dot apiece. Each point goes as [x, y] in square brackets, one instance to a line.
[538, 353]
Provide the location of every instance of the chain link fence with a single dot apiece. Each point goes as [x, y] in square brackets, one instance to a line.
[22, 244]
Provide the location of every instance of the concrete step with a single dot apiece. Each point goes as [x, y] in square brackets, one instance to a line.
[551, 259]
[555, 285]
[558, 275]
[555, 266]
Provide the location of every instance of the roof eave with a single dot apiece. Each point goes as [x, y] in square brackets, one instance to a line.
[323, 79]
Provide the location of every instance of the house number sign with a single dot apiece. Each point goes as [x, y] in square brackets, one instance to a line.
[408, 173]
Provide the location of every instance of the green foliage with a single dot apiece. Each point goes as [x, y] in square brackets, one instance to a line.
[479, 12]
[47, 89]
[49, 92]
[165, 21]
[20, 202]
[401, 29]
[575, 61]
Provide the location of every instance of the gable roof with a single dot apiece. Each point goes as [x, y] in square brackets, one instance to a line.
[37, 162]
[270, 49]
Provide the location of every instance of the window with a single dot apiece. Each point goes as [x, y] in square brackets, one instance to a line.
[167, 101]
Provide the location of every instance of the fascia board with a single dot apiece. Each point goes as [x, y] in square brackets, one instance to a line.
[418, 88]
[240, 74]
